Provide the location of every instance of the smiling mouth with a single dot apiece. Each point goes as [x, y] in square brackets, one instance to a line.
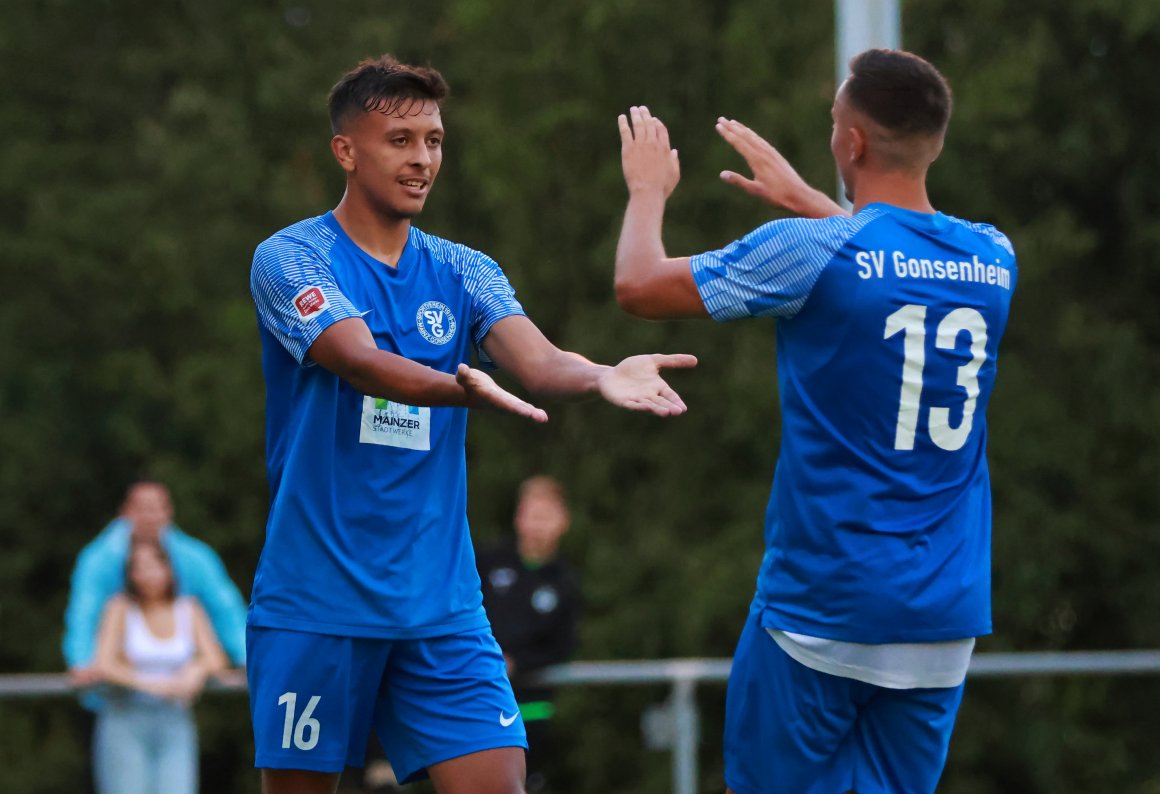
[414, 184]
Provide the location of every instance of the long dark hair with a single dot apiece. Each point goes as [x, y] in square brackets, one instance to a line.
[154, 545]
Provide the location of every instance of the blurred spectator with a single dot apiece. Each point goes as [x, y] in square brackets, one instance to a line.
[157, 650]
[532, 597]
[147, 514]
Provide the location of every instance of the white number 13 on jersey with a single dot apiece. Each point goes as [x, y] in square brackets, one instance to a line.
[911, 321]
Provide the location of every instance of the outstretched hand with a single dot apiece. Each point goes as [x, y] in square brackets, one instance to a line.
[774, 180]
[484, 392]
[648, 160]
[636, 384]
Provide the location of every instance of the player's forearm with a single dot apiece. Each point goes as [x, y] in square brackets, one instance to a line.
[811, 203]
[641, 250]
[378, 373]
[563, 374]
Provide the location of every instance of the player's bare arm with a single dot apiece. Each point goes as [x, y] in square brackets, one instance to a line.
[347, 348]
[520, 348]
[649, 283]
[774, 180]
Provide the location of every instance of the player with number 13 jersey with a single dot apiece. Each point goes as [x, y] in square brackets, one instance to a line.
[887, 345]
[876, 577]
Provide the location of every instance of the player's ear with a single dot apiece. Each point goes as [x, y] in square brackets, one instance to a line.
[343, 148]
[857, 145]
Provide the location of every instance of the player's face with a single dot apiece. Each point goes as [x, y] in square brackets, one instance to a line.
[396, 156]
[148, 509]
[149, 572]
[540, 522]
[841, 141]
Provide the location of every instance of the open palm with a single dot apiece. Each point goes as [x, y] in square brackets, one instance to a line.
[636, 384]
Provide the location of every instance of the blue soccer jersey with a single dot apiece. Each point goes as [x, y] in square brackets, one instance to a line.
[878, 527]
[367, 534]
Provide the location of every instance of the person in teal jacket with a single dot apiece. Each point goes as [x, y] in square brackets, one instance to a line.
[99, 574]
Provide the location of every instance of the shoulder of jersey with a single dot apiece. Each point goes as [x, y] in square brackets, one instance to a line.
[831, 232]
[457, 255]
[834, 222]
[310, 233]
[988, 231]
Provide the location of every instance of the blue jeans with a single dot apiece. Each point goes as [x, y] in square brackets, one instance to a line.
[143, 746]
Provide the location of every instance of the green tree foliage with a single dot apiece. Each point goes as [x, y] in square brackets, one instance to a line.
[147, 148]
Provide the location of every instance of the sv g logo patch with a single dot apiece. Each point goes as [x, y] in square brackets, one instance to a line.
[436, 322]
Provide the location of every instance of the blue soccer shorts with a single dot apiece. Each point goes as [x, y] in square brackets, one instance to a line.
[790, 729]
[314, 699]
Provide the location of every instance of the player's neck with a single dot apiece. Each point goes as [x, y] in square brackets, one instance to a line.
[896, 189]
[383, 238]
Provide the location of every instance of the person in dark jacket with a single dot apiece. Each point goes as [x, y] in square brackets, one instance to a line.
[532, 597]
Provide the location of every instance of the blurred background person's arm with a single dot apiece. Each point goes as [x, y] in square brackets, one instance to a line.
[201, 574]
[97, 576]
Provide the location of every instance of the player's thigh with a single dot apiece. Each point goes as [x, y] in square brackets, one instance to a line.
[496, 771]
[298, 781]
[444, 698]
[784, 722]
[901, 740]
[312, 698]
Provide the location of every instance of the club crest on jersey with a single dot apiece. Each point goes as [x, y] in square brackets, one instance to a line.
[436, 322]
[310, 301]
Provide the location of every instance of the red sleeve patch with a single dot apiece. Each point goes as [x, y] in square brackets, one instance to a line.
[310, 302]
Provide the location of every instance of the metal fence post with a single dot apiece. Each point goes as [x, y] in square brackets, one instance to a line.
[687, 734]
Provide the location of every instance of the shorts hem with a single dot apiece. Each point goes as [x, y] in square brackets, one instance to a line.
[332, 765]
[419, 772]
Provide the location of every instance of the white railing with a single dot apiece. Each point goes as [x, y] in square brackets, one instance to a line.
[676, 724]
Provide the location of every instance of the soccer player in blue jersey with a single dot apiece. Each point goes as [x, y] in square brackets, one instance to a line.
[366, 609]
[876, 576]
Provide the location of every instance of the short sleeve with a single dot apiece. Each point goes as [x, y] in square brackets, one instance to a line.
[492, 295]
[771, 271]
[296, 294]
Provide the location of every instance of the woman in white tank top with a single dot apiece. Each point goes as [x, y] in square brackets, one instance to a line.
[157, 650]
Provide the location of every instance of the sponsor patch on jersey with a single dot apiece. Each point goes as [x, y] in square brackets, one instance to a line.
[392, 424]
[436, 322]
[310, 301]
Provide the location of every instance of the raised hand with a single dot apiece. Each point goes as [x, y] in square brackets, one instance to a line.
[648, 160]
[483, 392]
[636, 384]
[774, 180]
